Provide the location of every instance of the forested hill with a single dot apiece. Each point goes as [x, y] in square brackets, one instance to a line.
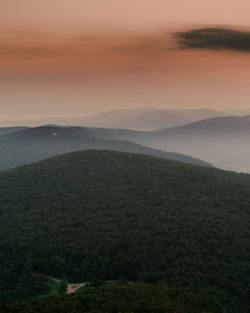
[108, 214]
[35, 144]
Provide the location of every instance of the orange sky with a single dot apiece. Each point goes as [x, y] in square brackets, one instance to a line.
[76, 15]
[79, 57]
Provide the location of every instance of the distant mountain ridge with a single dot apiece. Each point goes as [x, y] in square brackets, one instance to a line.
[153, 119]
[222, 141]
[10, 130]
[226, 125]
[34, 144]
[114, 116]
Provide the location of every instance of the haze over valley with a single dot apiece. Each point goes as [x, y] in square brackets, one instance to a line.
[222, 141]
[124, 156]
[213, 137]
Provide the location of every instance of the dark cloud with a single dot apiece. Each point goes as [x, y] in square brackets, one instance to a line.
[215, 38]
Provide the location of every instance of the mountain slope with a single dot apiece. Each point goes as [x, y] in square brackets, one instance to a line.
[9, 130]
[222, 141]
[220, 126]
[39, 143]
[109, 214]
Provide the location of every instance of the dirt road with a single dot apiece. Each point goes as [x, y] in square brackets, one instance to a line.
[71, 288]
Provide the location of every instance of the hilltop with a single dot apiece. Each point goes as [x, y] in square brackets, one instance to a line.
[107, 214]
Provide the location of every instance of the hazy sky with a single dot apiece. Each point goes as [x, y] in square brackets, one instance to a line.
[78, 57]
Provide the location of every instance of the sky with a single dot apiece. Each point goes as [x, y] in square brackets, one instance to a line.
[76, 58]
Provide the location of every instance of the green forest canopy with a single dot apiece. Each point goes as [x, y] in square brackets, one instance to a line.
[103, 214]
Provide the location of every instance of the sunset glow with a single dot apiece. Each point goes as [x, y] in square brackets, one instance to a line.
[81, 57]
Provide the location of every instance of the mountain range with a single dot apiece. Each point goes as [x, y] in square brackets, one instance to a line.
[148, 118]
[222, 141]
[34, 144]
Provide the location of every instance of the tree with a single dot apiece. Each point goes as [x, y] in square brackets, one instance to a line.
[27, 270]
[62, 288]
[122, 280]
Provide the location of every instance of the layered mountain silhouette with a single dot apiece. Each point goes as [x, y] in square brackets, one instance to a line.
[34, 144]
[222, 141]
[148, 119]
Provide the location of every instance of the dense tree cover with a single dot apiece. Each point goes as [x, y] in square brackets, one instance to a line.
[137, 298]
[17, 282]
[103, 214]
[62, 288]
[34, 144]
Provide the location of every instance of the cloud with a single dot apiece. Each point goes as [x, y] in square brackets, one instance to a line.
[215, 39]
[115, 51]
